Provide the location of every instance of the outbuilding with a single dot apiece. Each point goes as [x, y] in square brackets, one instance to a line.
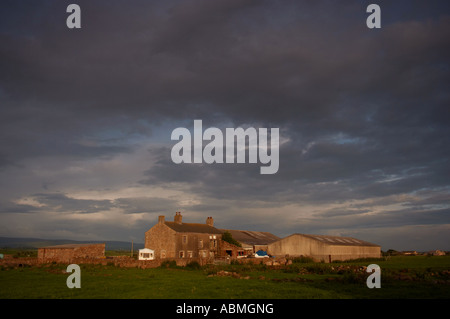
[66, 253]
[252, 241]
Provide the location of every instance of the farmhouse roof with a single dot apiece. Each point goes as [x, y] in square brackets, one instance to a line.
[193, 228]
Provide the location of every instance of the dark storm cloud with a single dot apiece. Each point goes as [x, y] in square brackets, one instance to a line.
[364, 113]
[10, 207]
[220, 181]
[245, 60]
[326, 173]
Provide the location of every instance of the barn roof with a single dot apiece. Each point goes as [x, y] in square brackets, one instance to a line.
[251, 237]
[193, 228]
[338, 240]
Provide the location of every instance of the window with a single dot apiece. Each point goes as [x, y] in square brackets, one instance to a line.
[163, 254]
[200, 243]
[181, 254]
[184, 239]
[189, 254]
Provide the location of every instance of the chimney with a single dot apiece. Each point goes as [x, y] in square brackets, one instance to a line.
[178, 218]
[210, 221]
[161, 219]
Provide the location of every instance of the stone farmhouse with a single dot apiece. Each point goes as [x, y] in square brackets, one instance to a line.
[183, 240]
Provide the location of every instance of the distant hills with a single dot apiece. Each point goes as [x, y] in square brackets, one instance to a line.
[34, 243]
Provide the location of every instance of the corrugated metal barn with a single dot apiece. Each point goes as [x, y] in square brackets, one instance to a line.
[324, 248]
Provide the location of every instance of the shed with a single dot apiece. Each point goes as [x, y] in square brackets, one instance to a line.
[252, 241]
[146, 254]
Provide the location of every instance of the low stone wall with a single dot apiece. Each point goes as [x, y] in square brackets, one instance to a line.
[268, 261]
[19, 262]
[119, 261]
[126, 261]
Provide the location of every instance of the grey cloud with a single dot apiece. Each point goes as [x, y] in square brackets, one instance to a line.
[136, 205]
[341, 212]
[388, 219]
[209, 208]
[10, 207]
[63, 203]
[59, 202]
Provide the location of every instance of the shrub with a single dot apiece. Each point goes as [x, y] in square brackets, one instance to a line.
[353, 278]
[169, 264]
[320, 269]
[365, 260]
[293, 268]
[193, 265]
[226, 236]
[302, 260]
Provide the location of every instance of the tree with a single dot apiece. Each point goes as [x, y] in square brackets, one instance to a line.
[391, 252]
[226, 236]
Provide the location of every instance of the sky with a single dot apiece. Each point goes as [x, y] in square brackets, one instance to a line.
[86, 117]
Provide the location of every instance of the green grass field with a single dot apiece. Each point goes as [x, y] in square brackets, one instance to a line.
[401, 277]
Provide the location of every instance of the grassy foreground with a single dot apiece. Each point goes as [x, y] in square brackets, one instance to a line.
[401, 277]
